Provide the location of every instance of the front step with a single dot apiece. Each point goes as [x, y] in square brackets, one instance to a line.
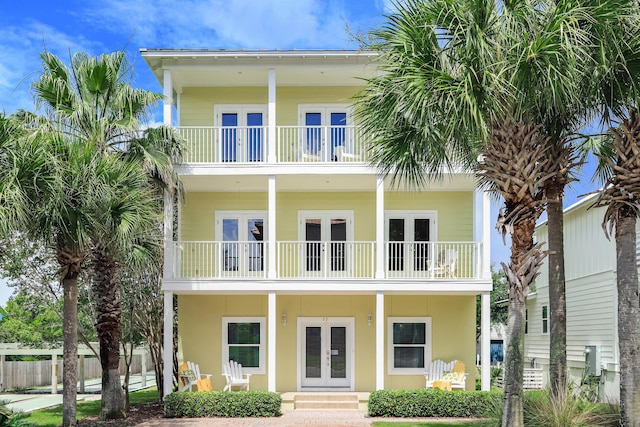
[325, 401]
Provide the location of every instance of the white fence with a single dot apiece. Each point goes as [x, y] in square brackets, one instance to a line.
[27, 374]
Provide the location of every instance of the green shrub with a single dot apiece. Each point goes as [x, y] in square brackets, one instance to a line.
[222, 404]
[432, 403]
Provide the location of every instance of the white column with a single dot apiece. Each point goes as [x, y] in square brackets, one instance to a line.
[168, 236]
[81, 374]
[271, 156]
[168, 98]
[167, 351]
[380, 249]
[271, 229]
[54, 374]
[485, 331]
[3, 386]
[482, 231]
[271, 343]
[380, 324]
[143, 369]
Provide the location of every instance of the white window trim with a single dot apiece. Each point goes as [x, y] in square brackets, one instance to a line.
[325, 214]
[261, 369]
[432, 215]
[542, 320]
[391, 370]
[241, 216]
[242, 110]
[326, 108]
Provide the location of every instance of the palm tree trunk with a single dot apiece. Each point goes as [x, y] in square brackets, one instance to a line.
[628, 317]
[109, 313]
[70, 350]
[557, 299]
[525, 263]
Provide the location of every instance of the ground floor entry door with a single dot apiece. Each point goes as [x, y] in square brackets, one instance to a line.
[326, 352]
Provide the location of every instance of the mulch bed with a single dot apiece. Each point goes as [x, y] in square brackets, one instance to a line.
[138, 414]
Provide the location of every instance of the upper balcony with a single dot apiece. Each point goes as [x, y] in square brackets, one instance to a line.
[293, 144]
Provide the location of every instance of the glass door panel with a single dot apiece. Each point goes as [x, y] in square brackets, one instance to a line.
[338, 352]
[313, 133]
[254, 137]
[230, 244]
[338, 121]
[396, 244]
[313, 352]
[338, 250]
[255, 247]
[313, 237]
[229, 137]
[421, 239]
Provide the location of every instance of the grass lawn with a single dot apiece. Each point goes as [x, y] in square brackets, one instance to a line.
[52, 417]
[433, 424]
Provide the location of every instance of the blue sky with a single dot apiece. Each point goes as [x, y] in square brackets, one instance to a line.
[95, 27]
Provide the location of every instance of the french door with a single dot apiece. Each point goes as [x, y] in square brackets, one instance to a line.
[242, 133]
[326, 352]
[242, 236]
[325, 251]
[409, 237]
[325, 129]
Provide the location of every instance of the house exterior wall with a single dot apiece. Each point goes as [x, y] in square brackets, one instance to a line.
[197, 103]
[200, 331]
[591, 297]
[455, 211]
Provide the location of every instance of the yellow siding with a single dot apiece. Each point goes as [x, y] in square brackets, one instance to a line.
[455, 211]
[200, 329]
[453, 320]
[197, 215]
[197, 103]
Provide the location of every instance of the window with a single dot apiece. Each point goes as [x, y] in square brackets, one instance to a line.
[409, 345]
[545, 319]
[526, 321]
[243, 340]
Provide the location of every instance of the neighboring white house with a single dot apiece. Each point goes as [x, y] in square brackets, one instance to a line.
[591, 295]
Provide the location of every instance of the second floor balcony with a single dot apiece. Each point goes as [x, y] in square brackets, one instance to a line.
[321, 260]
[292, 144]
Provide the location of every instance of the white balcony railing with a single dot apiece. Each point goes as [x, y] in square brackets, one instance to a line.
[221, 144]
[347, 260]
[320, 144]
[327, 260]
[431, 260]
[250, 144]
[219, 259]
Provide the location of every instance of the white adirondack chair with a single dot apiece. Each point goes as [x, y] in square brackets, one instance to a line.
[437, 370]
[232, 372]
[190, 376]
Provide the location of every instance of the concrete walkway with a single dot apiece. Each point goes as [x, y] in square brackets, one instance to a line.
[295, 418]
[41, 397]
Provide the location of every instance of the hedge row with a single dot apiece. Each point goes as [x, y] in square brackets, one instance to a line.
[433, 403]
[222, 404]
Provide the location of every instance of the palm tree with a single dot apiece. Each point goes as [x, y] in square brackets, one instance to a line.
[94, 101]
[55, 180]
[462, 80]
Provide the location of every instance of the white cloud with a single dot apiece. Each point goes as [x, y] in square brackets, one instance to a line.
[226, 24]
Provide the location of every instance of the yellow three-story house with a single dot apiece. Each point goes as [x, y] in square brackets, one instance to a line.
[293, 256]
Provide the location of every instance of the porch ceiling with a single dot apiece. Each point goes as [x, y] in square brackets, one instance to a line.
[304, 182]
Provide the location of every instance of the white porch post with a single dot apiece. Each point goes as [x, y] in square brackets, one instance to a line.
[168, 98]
[380, 249]
[380, 324]
[271, 156]
[485, 330]
[271, 342]
[482, 231]
[167, 350]
[271, 229]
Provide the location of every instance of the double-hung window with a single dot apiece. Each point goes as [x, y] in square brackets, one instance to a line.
[243, 340]
[545, 319]
[409, 345]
